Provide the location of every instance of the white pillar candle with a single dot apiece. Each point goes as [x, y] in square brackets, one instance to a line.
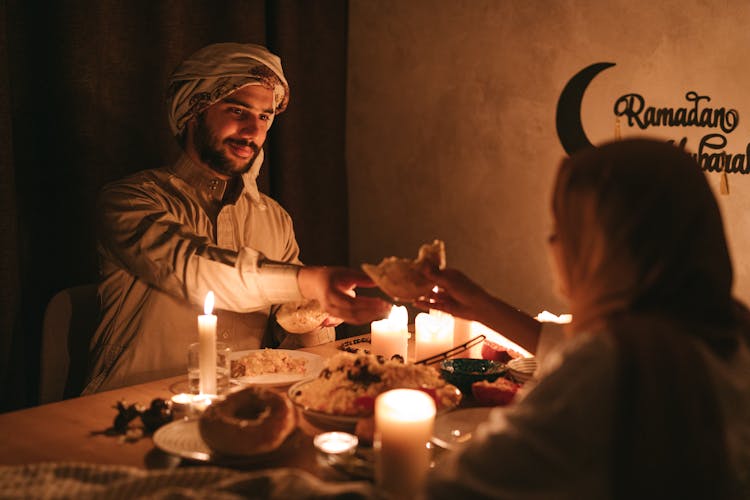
[462, 334]
[433, 334]
[404, 421]
[207, 341]
[461, 330]
[390, 336]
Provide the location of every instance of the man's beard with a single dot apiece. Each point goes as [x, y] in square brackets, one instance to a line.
[209, 150]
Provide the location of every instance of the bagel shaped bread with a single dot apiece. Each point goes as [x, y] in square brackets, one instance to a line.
[248, 422]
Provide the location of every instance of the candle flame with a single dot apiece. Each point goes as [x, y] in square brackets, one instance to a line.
[208, 305]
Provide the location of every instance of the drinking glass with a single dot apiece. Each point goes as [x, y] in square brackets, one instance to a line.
[223, 368]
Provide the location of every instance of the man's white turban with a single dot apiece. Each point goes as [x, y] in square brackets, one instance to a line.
[218, 70]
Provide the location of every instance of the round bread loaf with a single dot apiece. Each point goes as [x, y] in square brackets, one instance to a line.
[248, 422]
[301, 317]
[402, 279]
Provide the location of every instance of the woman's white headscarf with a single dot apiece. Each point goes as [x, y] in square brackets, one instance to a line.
[640, 230]
[218, 70]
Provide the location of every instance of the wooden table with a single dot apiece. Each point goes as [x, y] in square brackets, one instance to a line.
[74, 431]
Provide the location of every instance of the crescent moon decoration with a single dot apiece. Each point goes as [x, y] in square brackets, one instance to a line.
[569, 126]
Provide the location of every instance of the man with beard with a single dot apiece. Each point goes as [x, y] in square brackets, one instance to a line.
[168, 236]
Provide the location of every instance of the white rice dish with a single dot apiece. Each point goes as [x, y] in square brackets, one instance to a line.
[349, 383]
[268, 361]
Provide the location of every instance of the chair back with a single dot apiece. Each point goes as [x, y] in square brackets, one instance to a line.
[70, 320]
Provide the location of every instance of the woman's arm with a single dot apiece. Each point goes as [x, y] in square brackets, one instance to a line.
[459, 296]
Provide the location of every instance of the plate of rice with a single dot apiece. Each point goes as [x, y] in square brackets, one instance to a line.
[274, 367]
[346, 388]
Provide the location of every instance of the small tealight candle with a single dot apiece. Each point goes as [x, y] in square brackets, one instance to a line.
[404, 421]
[182, 405]
[433, 334]
[336, 443]
[200, 402]
[390, 336]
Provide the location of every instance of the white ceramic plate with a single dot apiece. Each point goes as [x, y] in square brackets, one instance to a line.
[183, 439]
[522, 369]
[312, 369]
[456, 427]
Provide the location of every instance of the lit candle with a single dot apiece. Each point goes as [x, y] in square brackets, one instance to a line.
[435, 312]
[181, 406]
[461, 331]
[390, 336]
[207, 341]
[200, 402]
[433, 335]
[404, 421]
[548, 317]
[336, 443]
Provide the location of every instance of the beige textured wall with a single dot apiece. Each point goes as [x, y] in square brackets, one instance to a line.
[451, 119]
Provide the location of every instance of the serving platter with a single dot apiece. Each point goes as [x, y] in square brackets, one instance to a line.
[312, 369]
[346, 423]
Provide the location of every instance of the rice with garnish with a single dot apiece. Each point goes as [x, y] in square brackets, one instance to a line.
[349, 383]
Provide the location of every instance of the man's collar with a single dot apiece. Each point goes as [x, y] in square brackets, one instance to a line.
[204, 182]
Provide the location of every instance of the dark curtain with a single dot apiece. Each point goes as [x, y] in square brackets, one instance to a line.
[81, 103]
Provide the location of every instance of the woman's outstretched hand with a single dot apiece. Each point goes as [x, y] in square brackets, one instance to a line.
[457, 294]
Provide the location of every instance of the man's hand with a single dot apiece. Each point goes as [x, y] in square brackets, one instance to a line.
[334, 288]
[331, 321]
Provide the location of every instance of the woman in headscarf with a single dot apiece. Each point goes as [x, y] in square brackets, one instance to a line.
[649, 396]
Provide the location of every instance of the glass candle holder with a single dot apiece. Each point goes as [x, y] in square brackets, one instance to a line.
[336, 443]
[182, 406]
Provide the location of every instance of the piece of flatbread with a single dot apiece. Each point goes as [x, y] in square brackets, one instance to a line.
[401, 278]
[301, 317]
